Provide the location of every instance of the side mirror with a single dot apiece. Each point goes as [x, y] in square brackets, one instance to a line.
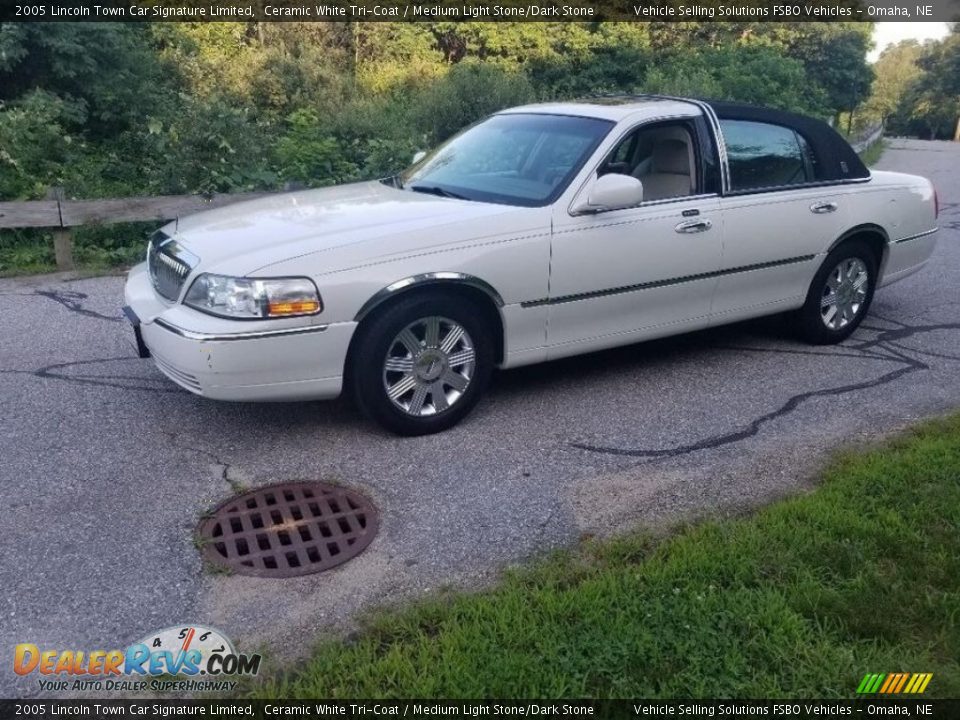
[610, 192]
[418, 156]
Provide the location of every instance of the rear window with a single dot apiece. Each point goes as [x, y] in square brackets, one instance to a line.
[761, 155]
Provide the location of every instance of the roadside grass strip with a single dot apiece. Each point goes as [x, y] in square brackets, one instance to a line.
[871, 156]
[807, 598]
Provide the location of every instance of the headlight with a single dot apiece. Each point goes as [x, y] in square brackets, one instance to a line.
[253, 298]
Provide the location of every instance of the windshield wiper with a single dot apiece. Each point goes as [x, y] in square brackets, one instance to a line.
[437, 190]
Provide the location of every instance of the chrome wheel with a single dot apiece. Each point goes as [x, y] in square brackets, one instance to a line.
[428, 366]
[845, 293]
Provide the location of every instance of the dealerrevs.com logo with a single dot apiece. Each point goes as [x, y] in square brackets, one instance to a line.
[177, 658]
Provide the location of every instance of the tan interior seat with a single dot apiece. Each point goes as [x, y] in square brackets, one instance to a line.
[669, 171]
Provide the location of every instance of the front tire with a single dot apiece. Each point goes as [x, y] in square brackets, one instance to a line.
[840, 294]
[422, 364]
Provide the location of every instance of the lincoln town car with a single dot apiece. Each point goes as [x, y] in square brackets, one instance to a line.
[540, 232]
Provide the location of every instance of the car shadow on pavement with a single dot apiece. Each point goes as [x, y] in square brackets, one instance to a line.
[598, 365]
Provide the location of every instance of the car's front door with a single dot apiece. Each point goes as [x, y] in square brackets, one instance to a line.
[624, 275]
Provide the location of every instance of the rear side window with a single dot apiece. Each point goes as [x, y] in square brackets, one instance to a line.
[761, 155]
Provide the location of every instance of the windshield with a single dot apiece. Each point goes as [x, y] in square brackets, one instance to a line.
[511, 159]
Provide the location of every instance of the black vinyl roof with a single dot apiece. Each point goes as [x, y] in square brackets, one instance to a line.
[835, 158]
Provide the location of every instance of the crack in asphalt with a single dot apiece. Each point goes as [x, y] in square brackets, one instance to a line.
[72, 301]
[885, 347]
[882, 348]
[226, 469]
[49, 372]
[753, 428]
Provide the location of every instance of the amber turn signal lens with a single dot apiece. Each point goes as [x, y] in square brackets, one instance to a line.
[301, 307]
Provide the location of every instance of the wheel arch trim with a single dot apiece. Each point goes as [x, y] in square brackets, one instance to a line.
[430, 279]
[857, 230]
[864, 228]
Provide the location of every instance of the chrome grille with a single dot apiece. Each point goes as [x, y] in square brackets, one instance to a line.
[169, 265]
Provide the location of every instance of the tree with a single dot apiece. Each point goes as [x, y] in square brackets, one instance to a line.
[107, 75]
[931, 105]
[835, 57]
[471, 91]
[894, 72]
[758, 75]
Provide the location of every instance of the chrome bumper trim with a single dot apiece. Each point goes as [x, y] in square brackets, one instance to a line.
[209, 337]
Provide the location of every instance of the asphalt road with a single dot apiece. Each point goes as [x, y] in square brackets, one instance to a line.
[106, 466]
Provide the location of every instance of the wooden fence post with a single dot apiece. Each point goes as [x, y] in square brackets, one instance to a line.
[62, 236]
[63, 248]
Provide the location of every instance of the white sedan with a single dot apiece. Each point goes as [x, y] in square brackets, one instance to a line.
[540, 232]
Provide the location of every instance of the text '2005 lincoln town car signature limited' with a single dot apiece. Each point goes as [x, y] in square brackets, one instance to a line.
[540, 232]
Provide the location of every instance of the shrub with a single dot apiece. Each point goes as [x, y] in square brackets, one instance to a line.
[758, 75]
[468, 93]
[308, 154]
[35, 150]
[204, 145]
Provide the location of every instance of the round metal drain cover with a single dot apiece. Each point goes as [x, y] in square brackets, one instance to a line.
[288, 529]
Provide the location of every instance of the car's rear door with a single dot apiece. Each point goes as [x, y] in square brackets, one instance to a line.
[777, 219]
[624, 275]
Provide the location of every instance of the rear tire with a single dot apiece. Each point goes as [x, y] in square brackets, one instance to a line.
[420, 365]
[840, 294]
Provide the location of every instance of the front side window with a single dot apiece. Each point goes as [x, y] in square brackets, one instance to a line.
[660, 156]
[514, 159]
[761, 155]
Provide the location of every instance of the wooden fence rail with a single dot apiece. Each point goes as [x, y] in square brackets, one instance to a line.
[62, 215]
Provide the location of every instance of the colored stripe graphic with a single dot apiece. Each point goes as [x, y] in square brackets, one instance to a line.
[900, 682]
[887, 683]
[894, 683]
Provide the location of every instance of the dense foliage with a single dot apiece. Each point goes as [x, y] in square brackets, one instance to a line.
[917, 90]
[107, 109]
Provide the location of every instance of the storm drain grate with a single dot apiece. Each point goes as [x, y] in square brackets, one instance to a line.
[288, 529]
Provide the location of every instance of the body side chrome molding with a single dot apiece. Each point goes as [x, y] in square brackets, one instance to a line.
[222, 337]
[908, 238]
[664, 283]
[425, 279]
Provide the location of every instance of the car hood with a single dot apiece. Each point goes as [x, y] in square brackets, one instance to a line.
[249, 235]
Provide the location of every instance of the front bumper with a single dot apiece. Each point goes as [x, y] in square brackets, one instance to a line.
[272, 360]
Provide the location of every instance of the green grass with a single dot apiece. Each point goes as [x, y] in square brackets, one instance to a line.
[871, 156]
[798, 600]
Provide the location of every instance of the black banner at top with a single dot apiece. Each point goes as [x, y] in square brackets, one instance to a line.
[243, 709]
[479, 10]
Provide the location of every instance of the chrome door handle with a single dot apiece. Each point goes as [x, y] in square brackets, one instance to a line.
[694, 226]
[823, 207]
